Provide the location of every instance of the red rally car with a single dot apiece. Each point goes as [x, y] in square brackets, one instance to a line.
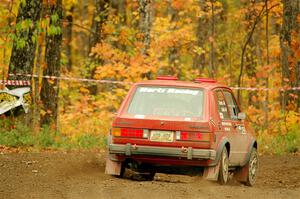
[172, 126]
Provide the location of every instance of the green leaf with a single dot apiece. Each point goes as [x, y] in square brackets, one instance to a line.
[54, 18]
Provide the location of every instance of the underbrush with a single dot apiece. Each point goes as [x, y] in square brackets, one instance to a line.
[281, 143]
[283, 137]
[15, 134]
[280, 139]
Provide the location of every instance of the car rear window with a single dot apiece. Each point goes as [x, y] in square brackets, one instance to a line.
[167, 101]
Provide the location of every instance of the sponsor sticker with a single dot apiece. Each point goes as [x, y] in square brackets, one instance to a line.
[226, 124]
[227, 129]
[221, 115]
[168, 90]
[187, 119]
[139, 116]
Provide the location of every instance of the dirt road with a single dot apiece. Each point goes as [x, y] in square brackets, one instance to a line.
[81, 175]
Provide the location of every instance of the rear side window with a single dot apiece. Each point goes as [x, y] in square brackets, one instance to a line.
[222, 107]
[232, 105]
[167, 101]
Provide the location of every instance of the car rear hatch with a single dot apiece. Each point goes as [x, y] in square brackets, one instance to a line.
[164, 115]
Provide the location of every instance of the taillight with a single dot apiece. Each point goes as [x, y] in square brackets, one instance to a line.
[130, 132]
[192, 136]
[116, 132]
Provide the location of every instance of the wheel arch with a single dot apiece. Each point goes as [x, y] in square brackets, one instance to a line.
[255, 145]
[227, 145]
[223, 143]
[252, 145]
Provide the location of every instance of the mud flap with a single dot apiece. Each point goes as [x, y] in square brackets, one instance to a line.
[242, 174]
[112, 167]
[212, 173]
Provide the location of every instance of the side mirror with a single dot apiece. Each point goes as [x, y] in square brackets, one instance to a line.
[241, 116]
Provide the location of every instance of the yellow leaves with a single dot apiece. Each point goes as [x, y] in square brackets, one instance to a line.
[68, 4]
[135, 13]
[102, 51]
[43, 112]
[109, 71]
[198, 50]
[84, 90]
[178, 4]
[108, 29]
[124, 36]
[51, 81]
[254, 99]
[217, 6]
[293, 118]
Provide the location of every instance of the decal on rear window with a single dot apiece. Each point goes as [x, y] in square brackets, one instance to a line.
[139, 116]
[167, 101]
[168, 90]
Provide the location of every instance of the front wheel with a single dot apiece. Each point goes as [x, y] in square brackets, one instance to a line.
[224, 164]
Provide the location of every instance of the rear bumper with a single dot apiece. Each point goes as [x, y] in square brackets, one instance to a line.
[188, 153]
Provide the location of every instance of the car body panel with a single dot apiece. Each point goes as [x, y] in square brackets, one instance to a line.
[231, 133]
[14, 98]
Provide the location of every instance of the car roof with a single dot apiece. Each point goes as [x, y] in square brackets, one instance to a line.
[177, 83]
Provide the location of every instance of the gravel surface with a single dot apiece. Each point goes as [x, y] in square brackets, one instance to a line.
[81, 175]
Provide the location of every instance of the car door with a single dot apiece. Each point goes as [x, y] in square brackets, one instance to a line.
[239, 135]
[227, 125]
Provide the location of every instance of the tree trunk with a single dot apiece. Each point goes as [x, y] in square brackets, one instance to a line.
[36, 89]
[50, 87]
[120, 7]
[82, 36]
[68, 38]
[212, 70]
[99, 18]
[297, 84]
[173, 52]
[23, 51]
[201, 34]
[266, 102]
[244, 49]
[253, 58]
[145, 23]
[289, 26]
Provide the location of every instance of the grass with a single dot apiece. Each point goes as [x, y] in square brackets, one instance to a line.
[15, 134]
[281, 143]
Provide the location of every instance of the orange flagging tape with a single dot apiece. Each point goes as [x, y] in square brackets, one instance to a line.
[15, 82]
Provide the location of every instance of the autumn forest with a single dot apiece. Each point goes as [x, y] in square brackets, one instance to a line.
[81, 57]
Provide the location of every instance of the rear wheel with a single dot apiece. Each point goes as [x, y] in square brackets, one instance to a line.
[252, 166]
[148, 176]
[224, 164]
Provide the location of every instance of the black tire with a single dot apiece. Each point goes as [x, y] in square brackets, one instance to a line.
[150, 176]
[147, 175]
[224, 164]
[252, 167]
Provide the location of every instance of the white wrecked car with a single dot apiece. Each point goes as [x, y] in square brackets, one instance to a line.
[11, 99]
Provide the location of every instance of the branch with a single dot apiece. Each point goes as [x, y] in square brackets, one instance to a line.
[80, 26]
[258, 18]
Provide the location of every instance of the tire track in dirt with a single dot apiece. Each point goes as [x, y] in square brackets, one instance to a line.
[81, 175]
